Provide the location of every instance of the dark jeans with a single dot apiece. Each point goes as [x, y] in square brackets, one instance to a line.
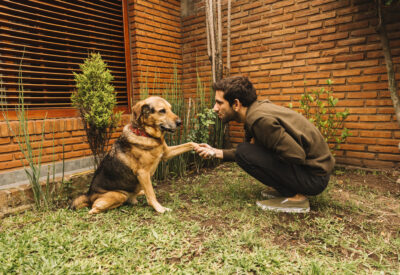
[286, 178]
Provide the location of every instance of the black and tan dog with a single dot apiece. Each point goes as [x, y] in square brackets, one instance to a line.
[127, 169]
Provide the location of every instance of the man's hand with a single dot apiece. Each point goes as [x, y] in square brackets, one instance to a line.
[206, 151]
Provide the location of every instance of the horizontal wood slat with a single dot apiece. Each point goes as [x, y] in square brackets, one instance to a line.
[43, 42]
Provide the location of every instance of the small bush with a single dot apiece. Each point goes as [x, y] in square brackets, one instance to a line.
[96, 100]
[319, 106]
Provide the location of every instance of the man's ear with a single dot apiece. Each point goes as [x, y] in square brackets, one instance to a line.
[236, 105]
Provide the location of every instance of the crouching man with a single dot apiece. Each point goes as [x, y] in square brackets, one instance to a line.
[282, 149]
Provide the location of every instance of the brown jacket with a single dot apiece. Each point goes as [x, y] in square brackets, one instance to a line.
[289, 134]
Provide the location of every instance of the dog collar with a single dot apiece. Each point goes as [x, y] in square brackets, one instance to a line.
[138, 132]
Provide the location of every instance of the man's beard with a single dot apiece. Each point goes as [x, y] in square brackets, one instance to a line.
[230, 116]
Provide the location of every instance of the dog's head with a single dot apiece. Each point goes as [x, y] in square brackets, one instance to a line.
[154, 114]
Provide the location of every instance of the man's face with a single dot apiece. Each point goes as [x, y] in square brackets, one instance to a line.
[222, 108]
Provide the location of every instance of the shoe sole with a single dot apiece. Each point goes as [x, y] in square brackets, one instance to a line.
[282, 209]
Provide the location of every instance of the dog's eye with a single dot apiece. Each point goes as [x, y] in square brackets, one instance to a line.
[162, 111]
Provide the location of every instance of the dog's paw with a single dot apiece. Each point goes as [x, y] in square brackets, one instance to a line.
[162, 209]
[194, 145]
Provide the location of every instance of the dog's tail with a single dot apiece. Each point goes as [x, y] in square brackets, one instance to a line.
[80, 202]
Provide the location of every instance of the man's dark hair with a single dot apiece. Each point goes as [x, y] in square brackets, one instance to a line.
[237, 87]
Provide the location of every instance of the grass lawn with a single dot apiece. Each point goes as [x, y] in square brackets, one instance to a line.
[215, 227]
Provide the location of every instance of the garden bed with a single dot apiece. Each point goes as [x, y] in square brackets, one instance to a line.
[215, 227]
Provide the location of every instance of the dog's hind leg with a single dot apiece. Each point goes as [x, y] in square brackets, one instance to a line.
[80, 202]
[138, 192]
[107, 201]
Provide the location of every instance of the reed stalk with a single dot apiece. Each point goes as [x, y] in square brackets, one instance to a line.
[22, 135]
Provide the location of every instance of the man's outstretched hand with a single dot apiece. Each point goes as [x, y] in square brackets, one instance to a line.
[206, 151]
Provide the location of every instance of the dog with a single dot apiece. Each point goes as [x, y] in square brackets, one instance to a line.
[127, 168]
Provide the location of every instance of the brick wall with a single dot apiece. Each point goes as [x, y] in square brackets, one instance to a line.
[155, 31]
[69, 131]
[286, 47]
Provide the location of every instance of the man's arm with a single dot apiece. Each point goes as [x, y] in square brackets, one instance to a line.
[274, 137]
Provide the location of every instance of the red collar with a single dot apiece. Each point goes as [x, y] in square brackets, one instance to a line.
[138, 131]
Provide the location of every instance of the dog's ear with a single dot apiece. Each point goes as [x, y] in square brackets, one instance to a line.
[146, 110]
[137, 110]
[140, 108]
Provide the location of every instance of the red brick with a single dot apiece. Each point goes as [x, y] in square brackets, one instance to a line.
[296, 22]
[294, 63]
[296, 50]
[338, 66]
[349, 57]
[347, 72]
[322, 46]
[320, 32]
[307, 12]
[392, 157]
[338, 21]
[282, 58]
[391, 142]
[325, 75]
[320, 60]
[362, 155]
[375, 118]
[281, 4]
[386, 110]
[307, 55]
[375, 86]
[349, 161]
[387, 126]
[376, 134]
[352, 147]
[305, 69]
[364, 126]
[307, 41]
[6, 157]
[310, 26]
[378, 163]
[335, 52]
[363, 79]
[323, 16]
[280, 71]
[296, 7]
[383, 149]
[367, 63]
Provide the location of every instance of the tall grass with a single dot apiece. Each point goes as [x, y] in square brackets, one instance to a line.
[188, 110]
[21, 134]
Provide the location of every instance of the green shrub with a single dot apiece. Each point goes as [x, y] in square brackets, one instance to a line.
[319, 106]
[96, 100]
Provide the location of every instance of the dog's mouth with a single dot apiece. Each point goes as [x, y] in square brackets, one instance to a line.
[167, 129]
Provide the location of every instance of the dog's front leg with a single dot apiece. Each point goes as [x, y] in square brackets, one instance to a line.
[145, 182]
[173, 151]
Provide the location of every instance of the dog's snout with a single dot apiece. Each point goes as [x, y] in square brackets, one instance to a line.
[178, 122]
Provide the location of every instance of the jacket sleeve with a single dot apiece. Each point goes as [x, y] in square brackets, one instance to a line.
[229, 154]
[273, 136]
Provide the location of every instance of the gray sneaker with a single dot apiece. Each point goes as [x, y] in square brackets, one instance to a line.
[285, 205]
[270, 194]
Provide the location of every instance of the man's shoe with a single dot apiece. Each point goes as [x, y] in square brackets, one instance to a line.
[270, 194]
[285, 205]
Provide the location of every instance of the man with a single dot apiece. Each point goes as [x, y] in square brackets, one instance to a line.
[282, 149]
